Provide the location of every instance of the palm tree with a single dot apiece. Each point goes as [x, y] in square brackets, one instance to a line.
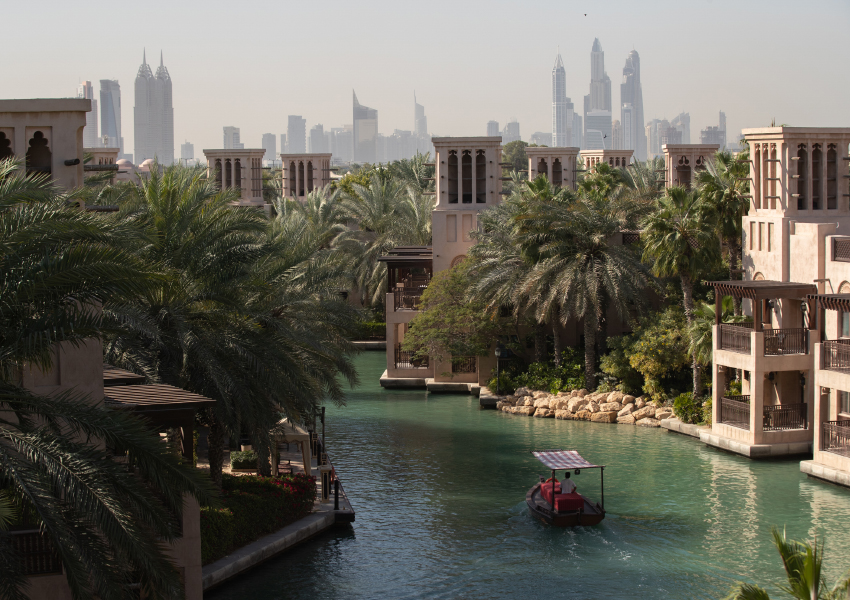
[106, 520]
[803, 563]
[679, 241]
[416, 173]
[700, 334]
[323, 210]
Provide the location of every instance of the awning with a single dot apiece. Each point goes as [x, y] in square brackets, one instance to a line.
[563, 459]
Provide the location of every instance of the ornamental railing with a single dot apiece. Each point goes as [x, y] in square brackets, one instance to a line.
[835, 355]
[778, 342]
[34, 553]
[785, 416]
[407, 298]
[735, 338]
[835, 437]
[735, 411]
[406, 359]
[464, 364]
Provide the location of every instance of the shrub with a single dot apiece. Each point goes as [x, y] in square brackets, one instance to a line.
[687, 409]
[243, 460]
[544, 376]
[734, 388]
[372, 330]
[506, 384]
[616, 365]
[254, 506]
[706, 412]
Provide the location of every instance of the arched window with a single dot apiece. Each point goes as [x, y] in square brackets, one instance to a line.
[228, 174]
[844, 288]
[452, 176]
[772, 171]
[309, 176]
[39, 156]
[831, 181]
[300, 177]
[757, 177]
[291, 175]
[457, 260]
[5, 147]
[683, 172]
[758, 277]
[617, 162]
[466, 177]
[610, 161]
[557, 172]
[802, 170]
[542, 167]
[218, 173]
[480, 177]
[816, 176]
[237, 174]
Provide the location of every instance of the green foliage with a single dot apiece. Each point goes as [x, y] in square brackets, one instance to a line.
[687, 409]
[514, 153]
[616, 364]
[243, 460]
[196, 435]
[706, 413]
[254, 506]
[372, 330]
[734, 388]
[569, 375]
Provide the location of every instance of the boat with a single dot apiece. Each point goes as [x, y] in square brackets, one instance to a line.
[565, 510]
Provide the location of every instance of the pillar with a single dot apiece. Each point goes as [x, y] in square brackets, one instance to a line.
[757, 376]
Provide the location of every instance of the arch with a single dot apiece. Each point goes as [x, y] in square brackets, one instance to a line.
[228, 173]
[452, 176]
[683, 172]
[758, 277]
[300, 177]
[557, 172]
[611, 161]
[309, 176]
[772, 171]
[543, 168]
[466, 176]
[291, 176]
[5, 147]
[217, 168]
[39, 156]
[831, 178]
[817, 157]
[457, 260]
[757, 177]
[480, 177]
[802, 172]
[844, 288]
[237, 174]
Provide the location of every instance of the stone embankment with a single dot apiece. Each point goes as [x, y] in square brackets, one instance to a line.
[581, 405]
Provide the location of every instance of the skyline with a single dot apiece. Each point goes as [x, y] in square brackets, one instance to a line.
[700, 69]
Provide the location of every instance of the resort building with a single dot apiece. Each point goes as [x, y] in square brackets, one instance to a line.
[303, 173]
[788, 358]
[558, 164]
[241, 169]
[103, 159]
[681, 160]
[615, 158]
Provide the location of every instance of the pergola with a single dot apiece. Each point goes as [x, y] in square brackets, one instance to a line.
[406, 257]
[759, 292]
[287, 432]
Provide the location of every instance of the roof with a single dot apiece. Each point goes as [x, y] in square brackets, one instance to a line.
[563, 459]
[289, 431]
[157, 396]
[413, 255]
[840, 302]
[764, 289]
[115, 376]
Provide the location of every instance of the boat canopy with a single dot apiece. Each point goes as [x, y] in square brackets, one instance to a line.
[563, 459]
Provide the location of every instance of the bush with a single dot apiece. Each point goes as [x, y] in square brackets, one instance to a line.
[254, 506]
[687, 409]
[243, 460]
[372, 330]
[706, 412]
[616, 365]
[544, 376]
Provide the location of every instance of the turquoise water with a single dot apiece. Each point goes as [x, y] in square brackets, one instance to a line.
[439, 488]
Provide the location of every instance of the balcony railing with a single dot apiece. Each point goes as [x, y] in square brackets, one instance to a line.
[778, 342]
[735, 338]
[835, 437]
[405, 359]
[735, 411]
[785, 416]
[835, 355]
[34, 553]
[464, 364]
[407, 298]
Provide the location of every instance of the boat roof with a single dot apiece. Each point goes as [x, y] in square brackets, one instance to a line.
[563, 459]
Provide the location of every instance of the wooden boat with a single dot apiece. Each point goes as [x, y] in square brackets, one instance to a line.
[564, 510]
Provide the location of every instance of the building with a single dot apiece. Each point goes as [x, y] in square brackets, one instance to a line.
[715, 135]
[631, 107]
[296, 135]
[682, 124]
[342, 144]
[110, 115]
[240, 169]
[617, 135]
[365, 133]
[187, 152]
[559, 165]
[578, 128]
[153, 114]
[231, 138]
[658, 133]
[598, 130]
[682, 161]
[597, 104]
[511, 133]
[541, 138]
[492, 129]
[317, 140]
[619, 159]
[303, 173]
[269, 144]
[420, 121]
[561, 115]
[283, 142]
[90, 137]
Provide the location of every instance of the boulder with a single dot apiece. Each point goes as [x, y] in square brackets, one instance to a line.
[563, 394]
[525, 401]
[539, 394]
[523, 391]
[663, 413]
[500, 405]
[583, 415]
[608, 416]
[645, 412]
[543, 413]
[508, 409]
[627, 410]
[627, 399]
[541, 403]
[526, 410]
[615, 406]
[626, 420]
[648, 422]
[616, 397]
[563, 414]
[593, 407]
[581, 393]
[576, 404]
[559, 404]
[640, 402]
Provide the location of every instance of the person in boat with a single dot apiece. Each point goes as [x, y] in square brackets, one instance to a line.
[567, 485]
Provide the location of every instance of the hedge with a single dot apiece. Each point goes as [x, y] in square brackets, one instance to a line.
[372, 330]
[253, 506]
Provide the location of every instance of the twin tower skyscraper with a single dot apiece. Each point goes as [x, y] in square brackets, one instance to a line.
[153, 115]
[596, 130]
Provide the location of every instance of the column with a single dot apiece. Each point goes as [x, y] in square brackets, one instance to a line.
[757, 376]
[297, 178]
[474, 174]
[549, 162]
[809, 187]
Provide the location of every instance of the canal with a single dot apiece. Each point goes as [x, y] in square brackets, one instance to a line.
[439, 488]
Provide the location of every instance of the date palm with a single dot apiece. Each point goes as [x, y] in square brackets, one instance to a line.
[417, 173]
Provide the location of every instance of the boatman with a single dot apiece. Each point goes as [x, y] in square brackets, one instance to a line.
[567, 485]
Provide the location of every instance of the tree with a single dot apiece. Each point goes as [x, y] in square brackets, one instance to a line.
[803, 563]
[514, 153]
[679, 241]
[700, 333]
[417, 173]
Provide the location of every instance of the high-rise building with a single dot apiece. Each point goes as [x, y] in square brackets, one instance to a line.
[342, 143]
[682, 124]
[541, 139]
[631, 101]
[597, 104]
[231, 138]
[187, 152]
[317, 140]
[283, 147]
[365, 147]
[420, 121]
[270, 146]
[110, 115]
[90, 140]
[153, 114]
[597, 130]
[296, 135]
[578, 131]
[561, 117]
[616, 135]
[511, 132]
[715, 135]
[493, 129]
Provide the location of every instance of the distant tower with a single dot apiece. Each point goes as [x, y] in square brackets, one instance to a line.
[420, 121]
[163, 115]
[493, 129]
[296, 135]
[597, 104]
[187, 152]
[110, 114]
[561, 121]
[270, 146]
[365, 143]
[631, 107]
[85, 90]
[153, 115]
[231, 138]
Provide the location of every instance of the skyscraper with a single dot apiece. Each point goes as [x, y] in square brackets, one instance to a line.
[561, 119]
[715, 135]
[110, 114]
[682, 124]
[631, 102]
[85, 90]
[153, 114]
[597, 104]
[420, 121]
[317, 139]
[365, 133]
[187, 152]
[511, 133]
[296, 135]
[283, 146]
[270, 146]
[492, 128]
[616, 135]
[231, 138]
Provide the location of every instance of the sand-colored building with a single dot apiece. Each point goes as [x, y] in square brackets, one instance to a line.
[560, 165]
[303, 173]
[682, 161]
[103, 160]
[240, 169]
[619, 159]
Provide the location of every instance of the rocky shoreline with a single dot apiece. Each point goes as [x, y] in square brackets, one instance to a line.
[581, 405]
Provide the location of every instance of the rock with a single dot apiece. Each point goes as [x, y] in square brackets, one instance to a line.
[627, 399]
[563, 394]
[663, 413]
[544, 413]
[574, 394]
[640, 402]
[615, 397]
[615, 406]
[541, 403]
[626, 420]
[576, 404]
[500, 405]
[539, 394]
[645, 412]
[583, 415]
[526, 410]
[582, 393]
[525, 401]
[648, 422]
[593, 406]
[608, 416]
[627, 410]
[523, 391]
[558, 404]
[563, 414]
[508, 409]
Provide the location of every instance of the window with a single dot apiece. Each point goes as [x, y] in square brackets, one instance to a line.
[39, 157]
[480, 177]
[466, 176]
[5, 147]
[237, 173]
[845, 324]
[752, 233]
[816, 177]
[843, 402]
[451, 228]
[831, 180]
[773, 178]
[291, 176]
[761, 235]
[309, 176]
[557, 172]
[802, 168]
[228, 173]
[770, 237]
[452, 176]
[757, 179]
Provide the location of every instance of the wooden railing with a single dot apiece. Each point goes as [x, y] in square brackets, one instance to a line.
[835, 437]
[405, 359]
[34, 553]
[785, 416]
[835, 355]
[735, 411]
[735, 338]
[778, 342]
[407, 298]
[464, 364]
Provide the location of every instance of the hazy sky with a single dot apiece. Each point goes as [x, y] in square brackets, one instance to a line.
[250, 64]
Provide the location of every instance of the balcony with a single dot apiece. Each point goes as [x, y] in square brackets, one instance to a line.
[781, 342]
[407, 298]
[835, 437]
[735, 411]
[406, 359]
[34, 553]
[835, 356]
[736, 338]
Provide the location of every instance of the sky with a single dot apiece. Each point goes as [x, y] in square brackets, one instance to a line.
[251, 64]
